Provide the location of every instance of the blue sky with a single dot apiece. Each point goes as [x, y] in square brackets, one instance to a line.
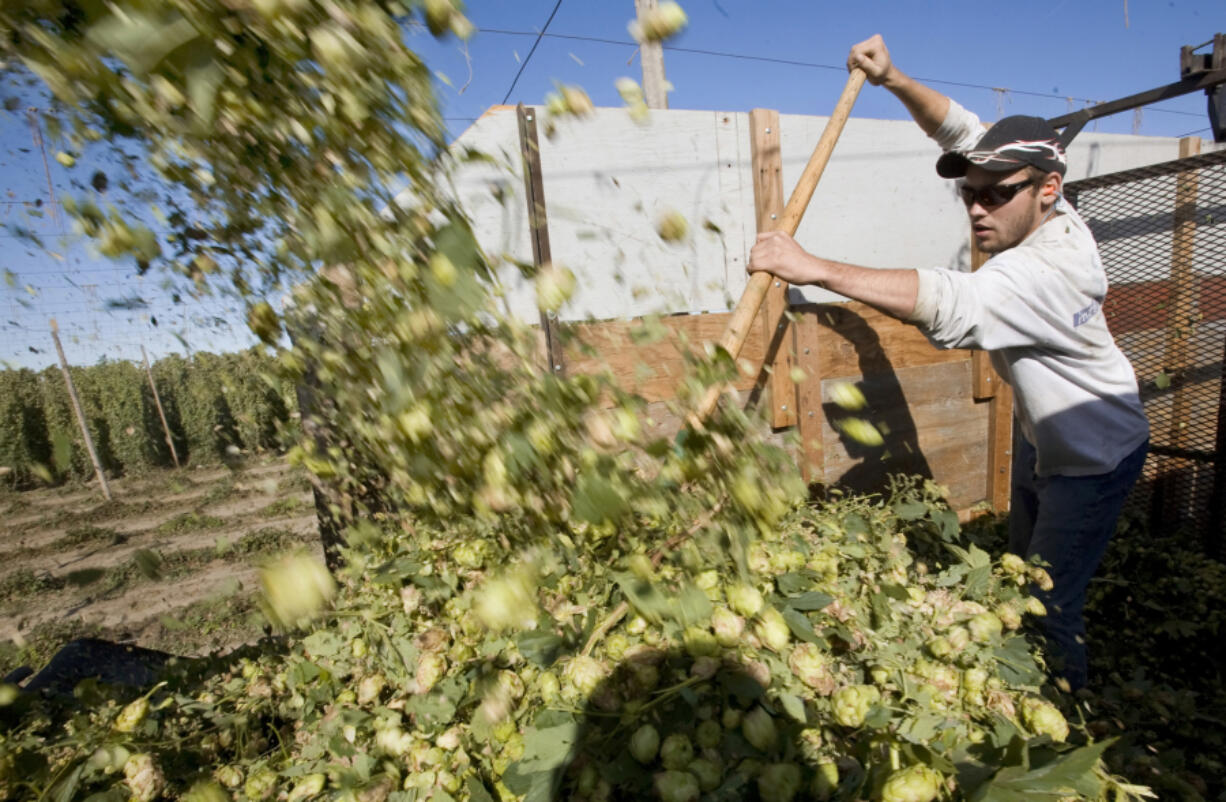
[995, 58]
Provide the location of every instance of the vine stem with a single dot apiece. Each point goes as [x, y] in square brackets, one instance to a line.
[608, 623]
[620, 610]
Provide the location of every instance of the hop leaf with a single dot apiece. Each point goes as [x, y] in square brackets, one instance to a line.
[295, 589]
[779, 782]
[644, 744]
[861, 431]
[660, 23]
[554, 286]
[759, 729]
[852, 703]
[913, 784]
[672, 226]
[1042, 718]
[632, 94]
[144, 777]
[508, 601]
[677, 786]
[847, 396]
[132, 716]
[263, 322]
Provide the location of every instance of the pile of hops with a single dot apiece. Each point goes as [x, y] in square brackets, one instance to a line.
[854, 651]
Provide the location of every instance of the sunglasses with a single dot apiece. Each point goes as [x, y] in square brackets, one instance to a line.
[994, 195]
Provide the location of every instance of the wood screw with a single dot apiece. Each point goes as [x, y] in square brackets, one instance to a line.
[776, 283]
[768, 130]
[784, 407]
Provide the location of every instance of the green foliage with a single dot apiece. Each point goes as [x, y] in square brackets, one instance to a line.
[1155, 608]
[24, 439]
[216, 405]
[189, 522]
[25, 582]
[1153, 622]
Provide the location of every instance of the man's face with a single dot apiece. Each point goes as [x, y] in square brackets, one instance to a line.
[1000, 226]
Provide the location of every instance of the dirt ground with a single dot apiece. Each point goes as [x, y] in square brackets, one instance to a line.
[170, 563]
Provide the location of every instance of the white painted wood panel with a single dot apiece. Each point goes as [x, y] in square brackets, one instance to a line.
[608, 180]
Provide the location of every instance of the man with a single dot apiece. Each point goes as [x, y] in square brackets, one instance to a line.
[1081, 434]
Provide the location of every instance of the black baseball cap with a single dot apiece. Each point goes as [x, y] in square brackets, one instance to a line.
[1010, 144]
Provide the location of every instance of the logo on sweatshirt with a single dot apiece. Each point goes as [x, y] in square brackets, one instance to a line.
[1086, 314]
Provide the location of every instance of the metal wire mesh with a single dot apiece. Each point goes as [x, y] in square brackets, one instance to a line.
[1161, 231]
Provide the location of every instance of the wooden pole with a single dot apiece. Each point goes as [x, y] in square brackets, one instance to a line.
[538, 225]
[651, 58]
[768, 205]
[161, 413]
[811, 416]
[1174, 485]
[76, 405]
[1182, 307]
[986, 385]
[746, 310]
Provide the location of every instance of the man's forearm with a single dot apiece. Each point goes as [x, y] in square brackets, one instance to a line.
[892, 291]
[927, 106]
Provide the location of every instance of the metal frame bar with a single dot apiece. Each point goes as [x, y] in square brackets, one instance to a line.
[1073, 122]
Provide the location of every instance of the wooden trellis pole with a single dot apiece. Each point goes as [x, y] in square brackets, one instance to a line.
[651, 57]
[161, 413]
[76, 405]
[538, 225]
[1173, 489]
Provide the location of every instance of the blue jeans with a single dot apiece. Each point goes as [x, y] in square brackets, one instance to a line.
[1067, 521]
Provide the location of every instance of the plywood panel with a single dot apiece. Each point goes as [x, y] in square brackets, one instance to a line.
[660, 420]
[931, 426]
[608, 179]
[862, 340]
[654, 370]
[811, 415]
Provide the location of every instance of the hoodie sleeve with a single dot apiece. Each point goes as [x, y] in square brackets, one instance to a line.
[1011, 302]
[960, 130]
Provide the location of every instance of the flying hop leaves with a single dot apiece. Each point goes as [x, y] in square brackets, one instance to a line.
[475, 635]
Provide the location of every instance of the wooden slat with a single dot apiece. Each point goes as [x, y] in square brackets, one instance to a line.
[538, 225]
[1180, 326]
[654, 370]
[985, 379]
[768, 206]
[870, 341]
[811, 415]
[1000, 447]
[855, 340]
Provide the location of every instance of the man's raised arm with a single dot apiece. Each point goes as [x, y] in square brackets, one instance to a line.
[926, 105]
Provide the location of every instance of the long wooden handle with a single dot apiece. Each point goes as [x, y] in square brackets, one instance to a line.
[746, 310]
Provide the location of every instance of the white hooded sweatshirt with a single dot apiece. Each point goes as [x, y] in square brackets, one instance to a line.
[1037, 308]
